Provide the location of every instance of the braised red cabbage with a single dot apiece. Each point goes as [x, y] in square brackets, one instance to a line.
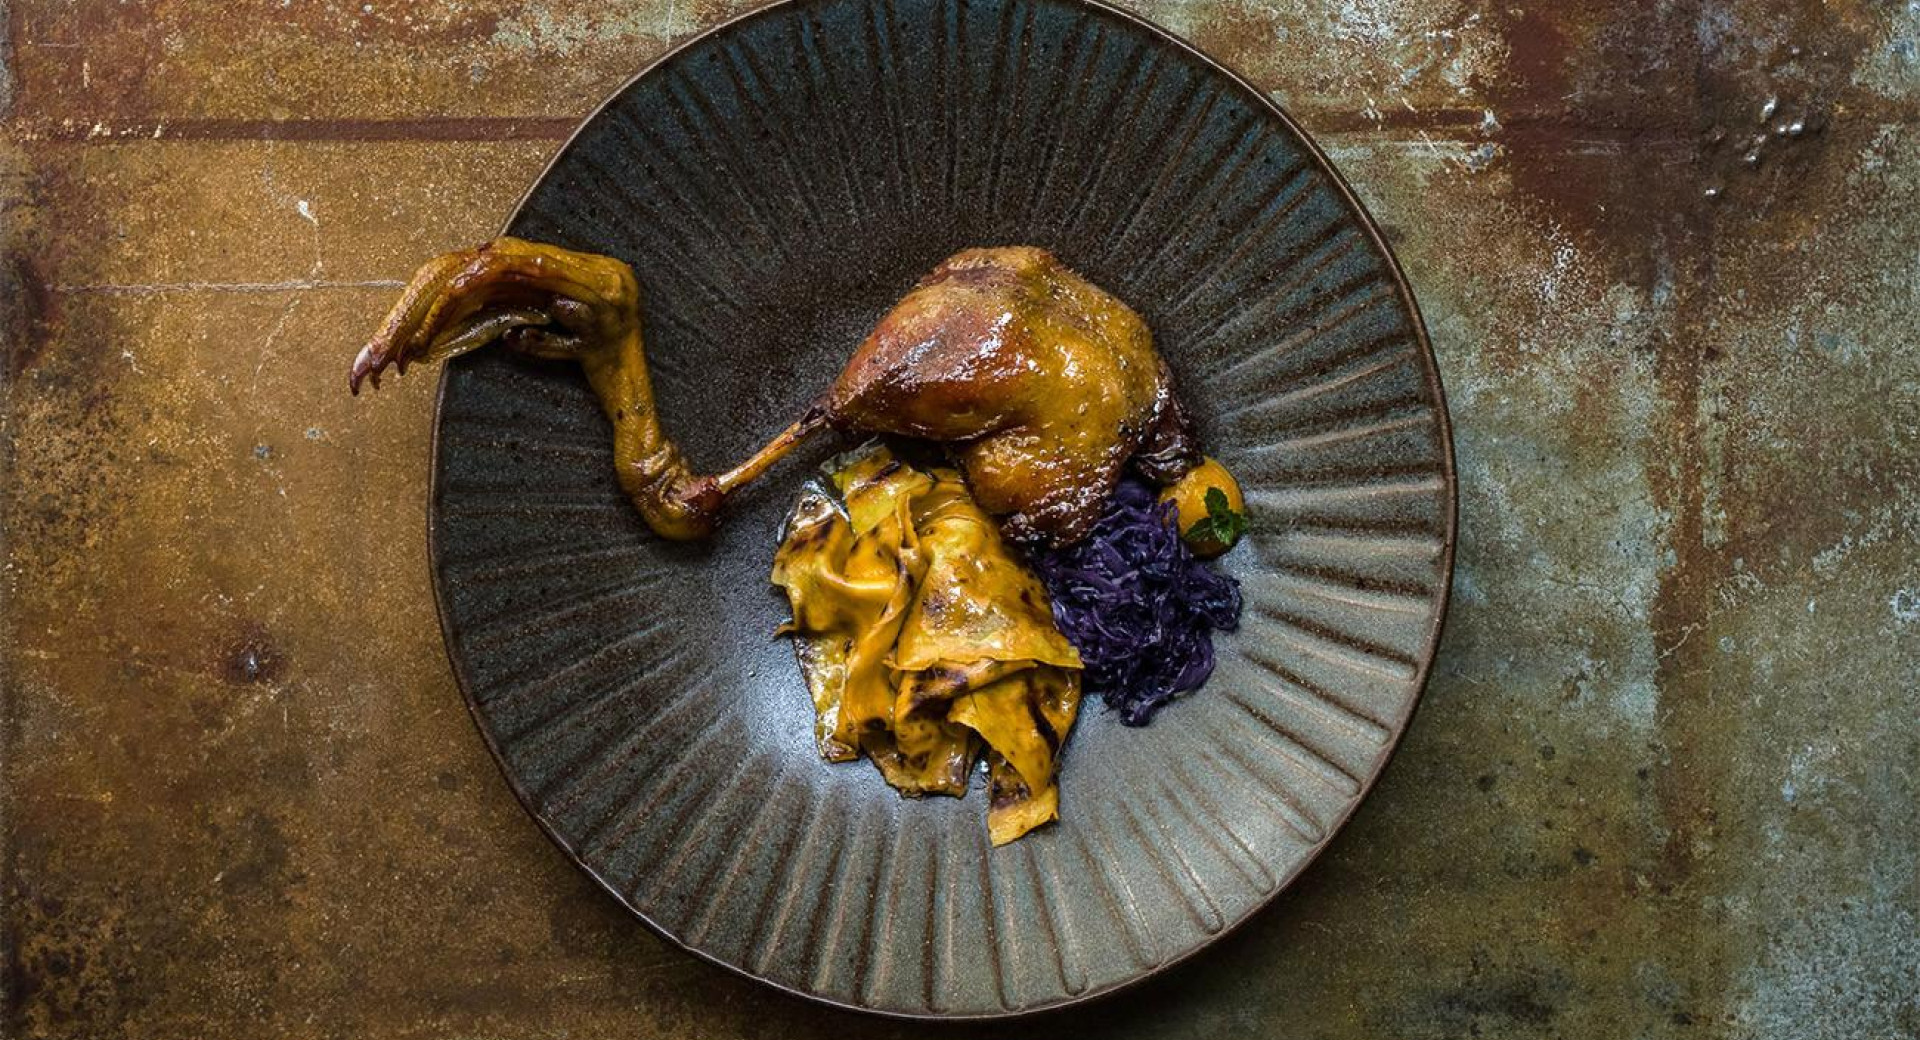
[1138, 606]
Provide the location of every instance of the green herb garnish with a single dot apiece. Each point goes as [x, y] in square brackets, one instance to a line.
[1221, 526]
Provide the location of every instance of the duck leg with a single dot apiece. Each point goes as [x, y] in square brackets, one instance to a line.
[548, 302]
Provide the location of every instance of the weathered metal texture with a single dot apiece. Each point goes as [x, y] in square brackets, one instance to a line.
[1662, 785]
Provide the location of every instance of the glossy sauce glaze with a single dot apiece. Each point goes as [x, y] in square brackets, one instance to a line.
[1042, 384]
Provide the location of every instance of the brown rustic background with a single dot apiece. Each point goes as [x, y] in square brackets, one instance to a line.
[1664, 780]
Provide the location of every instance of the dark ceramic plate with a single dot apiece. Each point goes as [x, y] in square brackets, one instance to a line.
[777, 184]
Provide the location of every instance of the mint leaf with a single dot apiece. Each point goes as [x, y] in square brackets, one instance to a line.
[1221, 524]
[1228, 524]
[1217, 504]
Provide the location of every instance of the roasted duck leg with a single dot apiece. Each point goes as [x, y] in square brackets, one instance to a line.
[1042, 385]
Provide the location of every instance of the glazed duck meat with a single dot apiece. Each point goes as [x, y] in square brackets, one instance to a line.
[1042, 386]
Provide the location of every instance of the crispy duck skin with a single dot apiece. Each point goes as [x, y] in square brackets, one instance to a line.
[1042, 385]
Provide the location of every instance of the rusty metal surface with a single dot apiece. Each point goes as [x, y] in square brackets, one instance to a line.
[1663, 784]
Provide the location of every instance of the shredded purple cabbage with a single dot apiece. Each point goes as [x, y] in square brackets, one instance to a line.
[1138, 606]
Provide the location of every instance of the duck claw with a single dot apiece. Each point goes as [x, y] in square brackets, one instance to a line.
[504, 289]
[367, 366]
